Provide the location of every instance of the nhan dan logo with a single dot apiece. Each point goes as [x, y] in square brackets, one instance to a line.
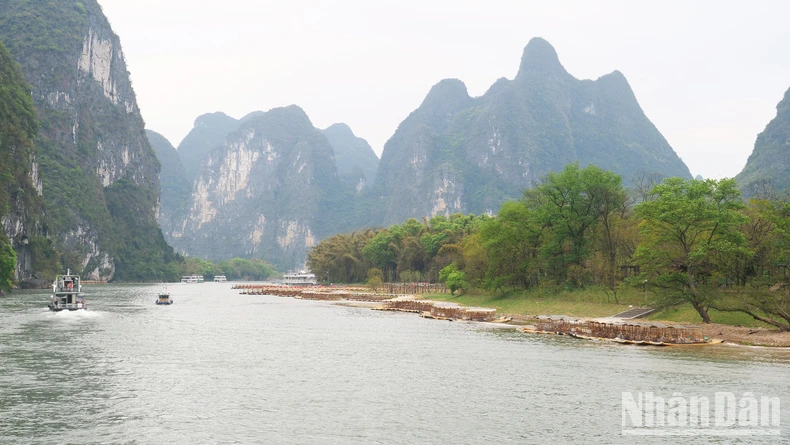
[724, 414]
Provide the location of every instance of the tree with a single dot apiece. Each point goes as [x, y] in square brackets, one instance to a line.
[683, 229]
[511, 242]
[375, 279]
[453, 278]
[572, 204]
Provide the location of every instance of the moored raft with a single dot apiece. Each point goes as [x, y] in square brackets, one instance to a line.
[625, 332]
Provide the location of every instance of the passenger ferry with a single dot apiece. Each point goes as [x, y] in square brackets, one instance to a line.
[220, 279]
[301, 278]
[67, 293]
[164, 298]
[192, 279]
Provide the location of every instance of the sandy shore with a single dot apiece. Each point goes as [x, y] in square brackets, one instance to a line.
[747, 336]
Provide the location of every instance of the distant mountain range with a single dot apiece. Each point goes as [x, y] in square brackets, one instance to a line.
[271, 184]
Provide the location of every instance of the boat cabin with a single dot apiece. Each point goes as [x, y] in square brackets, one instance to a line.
[67, 293]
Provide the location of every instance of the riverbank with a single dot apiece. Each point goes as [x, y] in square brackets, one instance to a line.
[730, 327]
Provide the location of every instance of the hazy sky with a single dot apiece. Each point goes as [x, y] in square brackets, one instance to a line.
[708, 74]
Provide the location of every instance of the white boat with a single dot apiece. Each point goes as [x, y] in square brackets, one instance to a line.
[192, 279]
[164, 298]
[67, 293]
[220, 279]
[301, 278]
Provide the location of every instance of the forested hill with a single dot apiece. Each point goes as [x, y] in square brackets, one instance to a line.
[769, 163]
[353, 155]
[456, 153]
[270, 191]
[175, 186]
[100, 178]
[20, 203]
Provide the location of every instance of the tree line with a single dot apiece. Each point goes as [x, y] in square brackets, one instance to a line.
[686, 241]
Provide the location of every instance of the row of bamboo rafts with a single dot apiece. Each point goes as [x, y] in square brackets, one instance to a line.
[432, 309]
[653, 334]
[314, 293]
[253, 287]
[440, 310]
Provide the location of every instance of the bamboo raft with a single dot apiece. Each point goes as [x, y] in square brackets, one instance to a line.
[440, 310]
[651, 334]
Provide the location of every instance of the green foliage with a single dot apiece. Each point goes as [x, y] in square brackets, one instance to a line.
[7, 264]
[235, 269]
[41, 25]
[685, 229]
[412, 251]
[18, 129]
[766, 167]
[453, 278]
[375, 279]
[143, 255]
[695, 244]
[572, 204]
[46, 261]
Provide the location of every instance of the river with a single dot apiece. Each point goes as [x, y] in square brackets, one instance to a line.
[220, 367]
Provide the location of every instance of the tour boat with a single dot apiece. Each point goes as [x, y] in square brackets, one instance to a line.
[220, 279]
[67, 293]
[164, 298]
[301, 278]
[192, 279]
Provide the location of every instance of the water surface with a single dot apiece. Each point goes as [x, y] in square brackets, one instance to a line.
[219, 367]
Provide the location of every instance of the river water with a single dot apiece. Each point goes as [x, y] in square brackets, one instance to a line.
[219, 367]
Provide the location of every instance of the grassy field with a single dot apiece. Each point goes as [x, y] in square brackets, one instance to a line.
[588, 303]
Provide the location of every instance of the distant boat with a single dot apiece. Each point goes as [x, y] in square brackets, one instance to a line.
[192, 279]
[164, 298]
[67, 293]
[220, 279]
[301, 278]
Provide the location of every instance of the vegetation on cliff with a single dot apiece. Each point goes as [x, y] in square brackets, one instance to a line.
[91, 141]
[767, 169]
[19, 200]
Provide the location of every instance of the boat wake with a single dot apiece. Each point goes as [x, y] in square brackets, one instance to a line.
[73, 315]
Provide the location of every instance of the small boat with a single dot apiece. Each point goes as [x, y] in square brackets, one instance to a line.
[67, 293]
[220, 279]
[164, 298]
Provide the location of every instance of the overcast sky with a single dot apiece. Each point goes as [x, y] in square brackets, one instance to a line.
[708, 74]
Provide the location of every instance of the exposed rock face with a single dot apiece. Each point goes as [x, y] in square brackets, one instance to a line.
[92, 135]
[769, 164]
[351, 152]
[456, 153]
[271, 191]
[208, 133]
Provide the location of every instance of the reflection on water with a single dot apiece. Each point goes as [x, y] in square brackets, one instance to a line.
[221, 367]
